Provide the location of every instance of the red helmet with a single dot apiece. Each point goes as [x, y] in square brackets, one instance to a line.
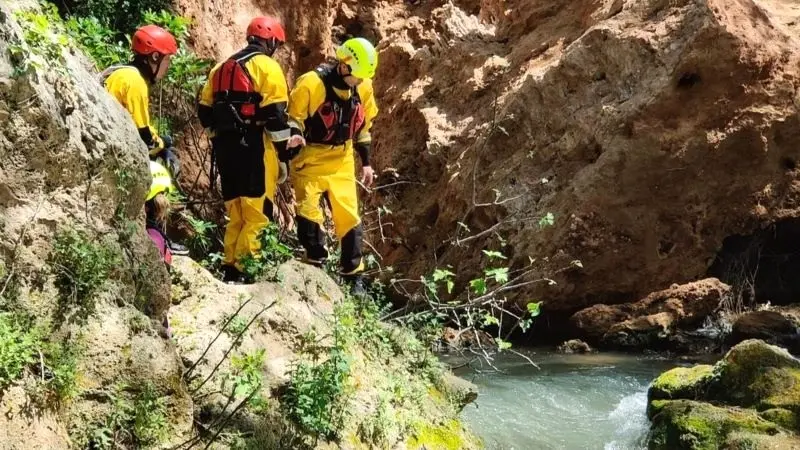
[266, 27]
[151, 38]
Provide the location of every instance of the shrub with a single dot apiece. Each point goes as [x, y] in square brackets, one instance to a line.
[82, 265]
[18, 347]
[272, 253]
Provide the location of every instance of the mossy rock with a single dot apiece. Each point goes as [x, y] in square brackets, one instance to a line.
[750, 441]
[448, 436]
[688, 424]
[783, 417]
[756, 374]
[681, 383]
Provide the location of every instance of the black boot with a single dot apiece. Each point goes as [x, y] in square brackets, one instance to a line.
[357, 284]
[231, 274]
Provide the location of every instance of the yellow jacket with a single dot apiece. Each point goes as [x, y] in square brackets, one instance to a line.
[269, 81]
[131, 90]
[309, 93]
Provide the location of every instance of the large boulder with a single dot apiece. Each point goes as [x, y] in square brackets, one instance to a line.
[770, 326]
[654, 320]
[752, 395]
[296, 321]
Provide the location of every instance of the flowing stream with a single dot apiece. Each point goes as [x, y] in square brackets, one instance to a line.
[574, 401]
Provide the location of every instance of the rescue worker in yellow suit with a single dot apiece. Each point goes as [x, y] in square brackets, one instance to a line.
[334, 108]
[243, 106]
[153, 48]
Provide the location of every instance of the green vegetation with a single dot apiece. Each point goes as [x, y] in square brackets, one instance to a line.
[201, 239]
[314, 396]
[25, 347]
[43, 41]
[481, 306]
[18, 347]
[364, 356]
[138, 418]
[119, 15]
[82, 265]
[246, 380]
[272, 253]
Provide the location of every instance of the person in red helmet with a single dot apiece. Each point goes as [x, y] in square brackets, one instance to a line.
[153, 48]
[243, 106]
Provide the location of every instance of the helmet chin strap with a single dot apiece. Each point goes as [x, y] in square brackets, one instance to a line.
[269, 45]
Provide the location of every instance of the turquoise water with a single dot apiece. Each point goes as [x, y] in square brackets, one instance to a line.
[572, 402]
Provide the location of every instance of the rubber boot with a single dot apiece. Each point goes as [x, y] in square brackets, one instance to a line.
[232, 275]
[356, 283]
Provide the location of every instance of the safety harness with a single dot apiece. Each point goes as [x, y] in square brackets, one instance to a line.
[336, 121]
[236, 100]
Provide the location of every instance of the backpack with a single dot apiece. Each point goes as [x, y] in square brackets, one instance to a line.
[235, 98]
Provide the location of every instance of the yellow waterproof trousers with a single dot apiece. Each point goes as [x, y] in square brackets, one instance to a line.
[249, 215]
[330, 171]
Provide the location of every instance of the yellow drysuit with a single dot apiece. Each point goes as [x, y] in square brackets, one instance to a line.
[132, 91]
[247, 161]
[335, 122]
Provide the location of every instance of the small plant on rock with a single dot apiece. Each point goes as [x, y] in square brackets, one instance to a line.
[273, 253]
[135, 421]
[201, 238]
[82, 265]
[18, 347]
[43, 41]
[314, 399]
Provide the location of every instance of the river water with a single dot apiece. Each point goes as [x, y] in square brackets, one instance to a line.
[572, 402]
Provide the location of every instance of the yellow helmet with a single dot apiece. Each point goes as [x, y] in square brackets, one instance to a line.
[360, 55]
[162, 182]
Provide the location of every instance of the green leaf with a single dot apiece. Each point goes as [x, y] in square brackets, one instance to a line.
[502, 345]
[442, 274]
[450, 285]
[534, 308]
[494, 255]
[478, 286]
[547, 221]
[489, 319]
[499, 274]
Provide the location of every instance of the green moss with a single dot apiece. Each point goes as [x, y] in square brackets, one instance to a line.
[778, 388]
[681, 382]
[752, 372]
[782, 417]
[449, 436]
[687, 424]
[749, 441]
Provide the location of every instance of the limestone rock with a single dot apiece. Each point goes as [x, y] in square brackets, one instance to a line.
[687, 424]
[681, 383]
[749, 399]
[770, 326]
[575, 346]
[654, 318]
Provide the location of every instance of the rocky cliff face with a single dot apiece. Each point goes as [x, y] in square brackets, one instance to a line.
[651, 130]
[72, 175]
